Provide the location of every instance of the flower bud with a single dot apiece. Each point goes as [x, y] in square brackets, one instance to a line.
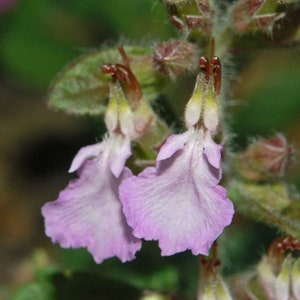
[215, 289]
[243, 11]
[195, 17]
[265, 158]
[212, 285]
[278, 272]
[180, 7]
[255, 14]
[175, 57]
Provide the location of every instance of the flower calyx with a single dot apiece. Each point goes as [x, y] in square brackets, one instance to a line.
[191, 16]
[212, 286]
[175, 57]
[265, 158]
[256, 14]
[203, 108]
[130, 113]
[279, 271]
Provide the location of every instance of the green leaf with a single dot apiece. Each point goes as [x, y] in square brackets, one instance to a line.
[36, 291]
[81, 88]
[269, 203]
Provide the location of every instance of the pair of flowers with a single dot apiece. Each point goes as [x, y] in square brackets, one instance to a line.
[178, 202]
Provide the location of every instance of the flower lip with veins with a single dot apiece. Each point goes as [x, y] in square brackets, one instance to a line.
[88, 211]
[179, 202]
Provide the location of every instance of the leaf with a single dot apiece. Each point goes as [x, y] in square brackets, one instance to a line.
[36, 291]
[269, 203]
[82, 89]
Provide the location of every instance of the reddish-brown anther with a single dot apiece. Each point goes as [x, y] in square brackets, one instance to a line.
[124, 74]
[212, 69]
[204, 64]
[215, 67]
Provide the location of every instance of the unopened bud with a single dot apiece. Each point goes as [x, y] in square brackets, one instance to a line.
[279, 271]
[212, 285]
[192, 16]
[222, 291]
[265, 158]
[179, 7]
[243, 12]
[175, 57]
[215, 290]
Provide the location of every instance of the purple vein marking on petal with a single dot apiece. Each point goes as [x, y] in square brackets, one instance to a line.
[178, 203]
[88, 213]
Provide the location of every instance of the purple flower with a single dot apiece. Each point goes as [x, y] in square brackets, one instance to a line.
[88, 211]
[179, 202]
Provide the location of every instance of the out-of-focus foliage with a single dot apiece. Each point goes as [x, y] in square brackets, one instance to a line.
[39, 37]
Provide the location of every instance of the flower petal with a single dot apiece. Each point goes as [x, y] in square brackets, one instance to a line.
[174, 143]
[179, 203]
[119, 152]
[88, 214]
[212, 151]
[84, 154]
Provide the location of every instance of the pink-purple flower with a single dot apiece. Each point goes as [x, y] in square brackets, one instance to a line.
[179, 202]
[88, 212]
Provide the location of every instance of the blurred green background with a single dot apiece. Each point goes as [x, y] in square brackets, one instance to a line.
[37, 39]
